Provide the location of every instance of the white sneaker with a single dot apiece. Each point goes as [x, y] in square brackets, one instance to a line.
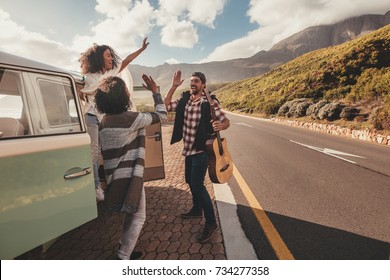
[99, 194]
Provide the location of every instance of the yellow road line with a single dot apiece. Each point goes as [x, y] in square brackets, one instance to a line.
[277, 243]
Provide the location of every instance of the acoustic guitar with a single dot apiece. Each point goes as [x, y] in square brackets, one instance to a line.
[220, 163]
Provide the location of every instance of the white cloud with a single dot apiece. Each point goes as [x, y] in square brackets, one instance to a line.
[179, 34]
[113, 8]
[206, 12]
[279, 19]
[128, 25]
[177, 19]
[172, 7]
[172, 61]
[17, 40]
[203, 12]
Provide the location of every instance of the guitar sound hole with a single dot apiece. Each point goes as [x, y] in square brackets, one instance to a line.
[224, 168]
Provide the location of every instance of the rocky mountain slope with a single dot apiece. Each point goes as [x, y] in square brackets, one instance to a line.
[348, 82]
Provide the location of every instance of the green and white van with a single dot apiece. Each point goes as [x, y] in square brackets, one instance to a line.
[46, 180]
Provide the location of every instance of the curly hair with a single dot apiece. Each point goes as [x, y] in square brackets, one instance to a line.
[112, 96]
[92, 61]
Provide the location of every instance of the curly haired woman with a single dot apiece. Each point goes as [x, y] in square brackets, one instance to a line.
[97, 63]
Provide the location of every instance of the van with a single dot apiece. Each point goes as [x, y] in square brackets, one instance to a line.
[46, 180]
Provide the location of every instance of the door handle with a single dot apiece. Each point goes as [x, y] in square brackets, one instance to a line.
[156, 136]
[77, 172]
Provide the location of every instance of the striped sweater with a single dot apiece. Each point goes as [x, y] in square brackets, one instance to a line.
[122, 140]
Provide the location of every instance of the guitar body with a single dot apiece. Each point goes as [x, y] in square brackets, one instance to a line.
[220, 165]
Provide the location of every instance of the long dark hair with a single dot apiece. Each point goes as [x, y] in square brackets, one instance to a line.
[92, 61]
[112, 96]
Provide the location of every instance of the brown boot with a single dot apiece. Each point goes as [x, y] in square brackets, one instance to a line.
[136, 255]
[208, 232]
[191, 215]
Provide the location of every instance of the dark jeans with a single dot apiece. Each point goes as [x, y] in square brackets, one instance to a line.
[195, 172]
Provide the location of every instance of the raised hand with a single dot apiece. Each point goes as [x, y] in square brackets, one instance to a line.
[176, 80]
[145, 43]
[150, 84]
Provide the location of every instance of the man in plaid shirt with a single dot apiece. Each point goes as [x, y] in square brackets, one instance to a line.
[193, 124]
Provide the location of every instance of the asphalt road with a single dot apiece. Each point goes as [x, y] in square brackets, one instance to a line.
[327, 196]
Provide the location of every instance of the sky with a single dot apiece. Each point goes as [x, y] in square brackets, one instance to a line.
[179, 31]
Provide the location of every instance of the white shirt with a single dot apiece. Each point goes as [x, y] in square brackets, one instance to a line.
[92, 81]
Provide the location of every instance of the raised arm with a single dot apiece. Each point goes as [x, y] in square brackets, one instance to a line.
[176, 82]
[133, 55]
[159, 107]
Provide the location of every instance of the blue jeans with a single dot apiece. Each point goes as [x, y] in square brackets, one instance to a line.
[195, 172]
[92, 123]
[131, 229]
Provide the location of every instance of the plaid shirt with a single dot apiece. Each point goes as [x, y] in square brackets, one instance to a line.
[192, 116]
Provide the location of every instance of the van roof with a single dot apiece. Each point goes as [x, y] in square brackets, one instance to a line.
[14, 60]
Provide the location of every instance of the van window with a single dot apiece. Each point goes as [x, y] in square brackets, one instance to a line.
[36, 104]
[53, 110]
[10, 97]
[11, 105]
[58, 101]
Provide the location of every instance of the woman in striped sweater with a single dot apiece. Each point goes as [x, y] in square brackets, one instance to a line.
[122, 140]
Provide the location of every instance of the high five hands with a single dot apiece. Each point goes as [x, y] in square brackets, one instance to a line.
[150, 84]
[176, 80]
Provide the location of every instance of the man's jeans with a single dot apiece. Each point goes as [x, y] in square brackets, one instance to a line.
[195, 172]
[92, 123]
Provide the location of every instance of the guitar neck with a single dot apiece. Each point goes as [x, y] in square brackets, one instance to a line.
[214, 117]
[211, 102]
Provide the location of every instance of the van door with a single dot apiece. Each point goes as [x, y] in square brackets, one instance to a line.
[154, 158]
[46, 181]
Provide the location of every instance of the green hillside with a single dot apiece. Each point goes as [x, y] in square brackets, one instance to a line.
[356, 73]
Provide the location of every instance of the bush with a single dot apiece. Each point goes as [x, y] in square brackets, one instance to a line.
[380, 118]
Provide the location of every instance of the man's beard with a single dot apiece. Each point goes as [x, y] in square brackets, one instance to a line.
[194, 91]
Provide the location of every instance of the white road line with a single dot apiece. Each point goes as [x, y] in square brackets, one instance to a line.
[244, 124]
[236, 243]
[249, 117]
[330, 152]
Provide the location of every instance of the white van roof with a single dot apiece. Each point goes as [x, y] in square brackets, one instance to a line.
[18, 61]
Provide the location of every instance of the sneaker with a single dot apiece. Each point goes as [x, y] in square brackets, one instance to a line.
[191, 214]
[113, 257]
[136, 255]
[99, 194]
[208, 232]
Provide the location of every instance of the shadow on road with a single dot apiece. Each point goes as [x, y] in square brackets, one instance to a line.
[310, 241]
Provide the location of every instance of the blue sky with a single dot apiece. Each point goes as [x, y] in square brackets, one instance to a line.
[179, 31]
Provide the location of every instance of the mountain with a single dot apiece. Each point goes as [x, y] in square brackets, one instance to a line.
[318, 37]
[346, 82]
[309, 39]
